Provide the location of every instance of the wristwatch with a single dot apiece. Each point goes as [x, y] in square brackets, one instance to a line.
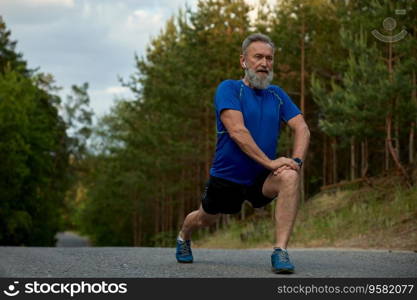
[299, 161]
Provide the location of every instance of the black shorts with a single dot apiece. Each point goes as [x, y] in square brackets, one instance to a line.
[226, 197]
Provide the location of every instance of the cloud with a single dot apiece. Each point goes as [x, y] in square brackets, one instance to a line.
[87, 40]
[101, 100]
[34, 3]
[67, 3]
[134, 29]
[116, 90]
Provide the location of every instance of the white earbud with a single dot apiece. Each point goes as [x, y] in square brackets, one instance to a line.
[244, 65]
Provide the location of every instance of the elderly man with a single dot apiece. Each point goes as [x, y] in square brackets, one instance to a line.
[245, 167]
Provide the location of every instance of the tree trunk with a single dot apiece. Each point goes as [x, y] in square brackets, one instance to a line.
[207, 140]
[200, 181]
[242, 212]
[364, 158]
[324, 169]
[225, 219]
[168, 216]
[411, 143]
[334, 155]
[139, 232]
[413, 124]
[397, 134]
[393, 152]
[157, 214]
[187, 176]
[135, 219]
[181, 207]
[163, 219]
[135, 228]
[386, 155]
[352, 159]
[388, 119]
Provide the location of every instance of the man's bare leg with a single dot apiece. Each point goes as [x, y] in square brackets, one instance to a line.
[286, 186]
[195, 220]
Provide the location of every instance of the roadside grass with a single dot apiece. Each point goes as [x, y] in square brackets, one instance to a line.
[382, 215]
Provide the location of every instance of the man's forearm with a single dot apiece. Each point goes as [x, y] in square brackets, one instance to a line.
[246, 143]
[301, 142]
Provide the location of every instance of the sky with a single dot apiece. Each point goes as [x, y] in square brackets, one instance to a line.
[90, 41]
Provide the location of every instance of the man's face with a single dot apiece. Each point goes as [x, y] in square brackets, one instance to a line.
[259, 59]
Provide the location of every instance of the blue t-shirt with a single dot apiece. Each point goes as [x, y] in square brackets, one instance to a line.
[263, 111]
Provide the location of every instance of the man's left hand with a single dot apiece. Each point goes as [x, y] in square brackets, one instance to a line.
[284, 168]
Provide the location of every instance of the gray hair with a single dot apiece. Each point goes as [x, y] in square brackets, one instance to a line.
[256, 37]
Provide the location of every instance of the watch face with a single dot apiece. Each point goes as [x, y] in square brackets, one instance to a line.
[298, 161]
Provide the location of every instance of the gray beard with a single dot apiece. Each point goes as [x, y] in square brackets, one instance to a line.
[256, 81]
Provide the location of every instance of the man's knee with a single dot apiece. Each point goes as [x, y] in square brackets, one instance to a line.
[288, 176]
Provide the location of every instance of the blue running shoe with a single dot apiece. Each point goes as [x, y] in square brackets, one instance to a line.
[184, 254]
[281, 263]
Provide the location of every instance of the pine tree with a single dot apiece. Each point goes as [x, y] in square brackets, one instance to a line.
[10, 60]
[33, 172]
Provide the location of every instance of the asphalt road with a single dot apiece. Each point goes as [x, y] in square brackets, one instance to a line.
[70, 239]
[160, 262]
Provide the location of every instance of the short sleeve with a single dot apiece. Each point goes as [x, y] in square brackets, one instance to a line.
[227, 97]
[288, 109]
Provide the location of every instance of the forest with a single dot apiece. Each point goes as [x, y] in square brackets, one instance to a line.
[130, 180]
